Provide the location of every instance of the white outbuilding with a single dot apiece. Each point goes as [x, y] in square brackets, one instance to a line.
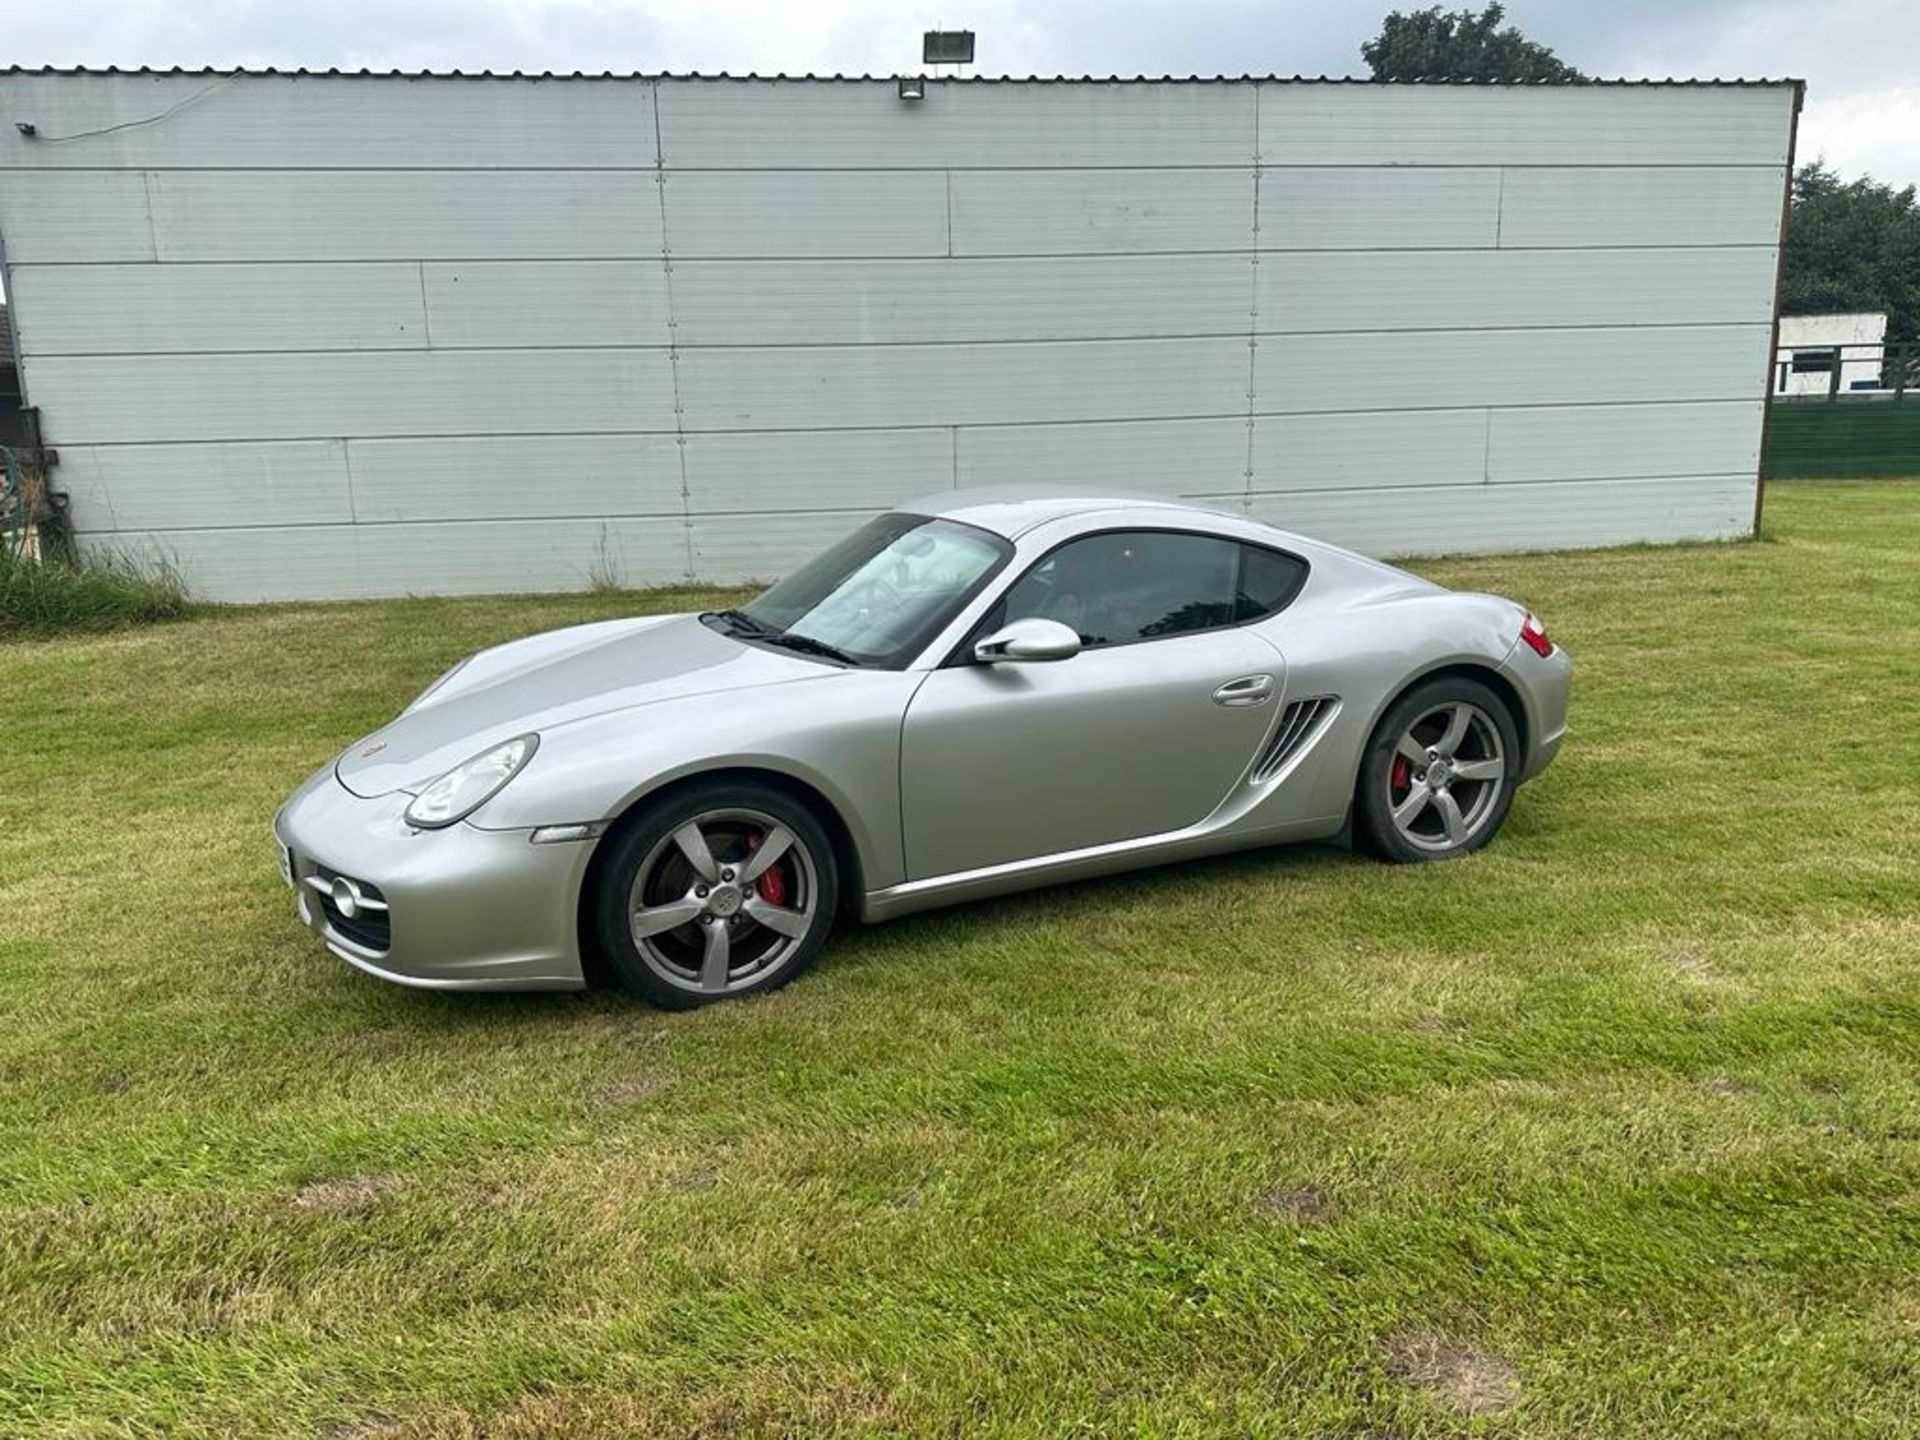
[1825, 354]
[336, 335]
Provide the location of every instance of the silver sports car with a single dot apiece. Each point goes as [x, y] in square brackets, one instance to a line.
[965, 697]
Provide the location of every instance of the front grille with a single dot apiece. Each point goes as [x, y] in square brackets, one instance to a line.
[1299, 723]
[370, 925]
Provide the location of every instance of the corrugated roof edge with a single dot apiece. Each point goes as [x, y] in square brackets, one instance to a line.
[304, 73]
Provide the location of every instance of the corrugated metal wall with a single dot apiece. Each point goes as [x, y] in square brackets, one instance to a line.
[325, 336]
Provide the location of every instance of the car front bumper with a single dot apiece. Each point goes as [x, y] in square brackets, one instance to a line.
[456, 909]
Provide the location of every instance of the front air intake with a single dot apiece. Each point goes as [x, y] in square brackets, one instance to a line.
[1299, 723]
[356, 910]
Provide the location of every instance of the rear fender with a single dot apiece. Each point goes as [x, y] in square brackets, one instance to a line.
[1368, 655]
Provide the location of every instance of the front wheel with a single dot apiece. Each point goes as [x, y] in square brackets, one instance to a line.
[718, 891]
[1438, 777]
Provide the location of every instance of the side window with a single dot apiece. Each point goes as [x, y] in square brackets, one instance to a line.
[1268, 581]
[1133, 585]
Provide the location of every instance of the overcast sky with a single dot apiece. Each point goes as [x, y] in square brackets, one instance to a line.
[1861, 58]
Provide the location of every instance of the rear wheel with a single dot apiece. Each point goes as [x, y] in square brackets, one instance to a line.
[721, 890]
[1439, 774]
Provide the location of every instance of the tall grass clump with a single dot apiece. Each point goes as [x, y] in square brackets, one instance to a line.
[99, 591]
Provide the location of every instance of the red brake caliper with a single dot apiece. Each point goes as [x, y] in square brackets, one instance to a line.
[1398, 779]
[773, 884]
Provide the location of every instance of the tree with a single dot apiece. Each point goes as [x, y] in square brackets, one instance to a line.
[1435, 44]
[1853, 245]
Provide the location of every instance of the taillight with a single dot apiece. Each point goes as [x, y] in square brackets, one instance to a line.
[1535, 634]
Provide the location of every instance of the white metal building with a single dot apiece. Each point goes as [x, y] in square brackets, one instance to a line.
[327, 335]
[1812, 348]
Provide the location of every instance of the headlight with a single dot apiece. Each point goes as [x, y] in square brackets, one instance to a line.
[470, 784]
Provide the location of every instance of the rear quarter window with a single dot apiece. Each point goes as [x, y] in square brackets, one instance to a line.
[1269, 579]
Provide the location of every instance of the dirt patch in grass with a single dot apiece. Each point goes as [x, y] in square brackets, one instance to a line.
[1702, 977]
[1302, 1203]
[1472, 1381]
[344, 1197]
[625, 1092]
[1692, 962]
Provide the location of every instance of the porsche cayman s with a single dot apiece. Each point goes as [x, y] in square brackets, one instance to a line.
[961, 698]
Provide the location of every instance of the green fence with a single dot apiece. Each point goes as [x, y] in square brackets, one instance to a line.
[1849, 438]
[1835, 412]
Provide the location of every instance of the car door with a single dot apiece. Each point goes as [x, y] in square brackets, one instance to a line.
[1144, 731]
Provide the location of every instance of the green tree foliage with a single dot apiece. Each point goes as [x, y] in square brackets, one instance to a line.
[1436, 44]
[1854, 245]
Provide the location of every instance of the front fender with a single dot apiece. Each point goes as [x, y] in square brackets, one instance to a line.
[839, 734]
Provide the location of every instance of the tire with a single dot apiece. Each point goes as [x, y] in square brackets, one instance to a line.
[1479, 765]
[686, 914]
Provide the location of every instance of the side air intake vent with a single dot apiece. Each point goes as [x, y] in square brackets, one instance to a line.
[1299, 723]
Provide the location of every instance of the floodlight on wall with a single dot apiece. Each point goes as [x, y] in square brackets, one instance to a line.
[913, 87]
[946, 47]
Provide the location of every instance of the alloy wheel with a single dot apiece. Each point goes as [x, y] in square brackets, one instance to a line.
[723, 900]
[1444, 783]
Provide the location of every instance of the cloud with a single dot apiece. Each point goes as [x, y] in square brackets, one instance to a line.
[1874, 132]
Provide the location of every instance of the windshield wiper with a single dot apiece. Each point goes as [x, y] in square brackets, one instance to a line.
[807, 645]
[757, 629]
[741, 620]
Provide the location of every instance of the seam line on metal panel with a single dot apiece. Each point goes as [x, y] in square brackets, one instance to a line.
[597, 517]
[519, 519]
[1639, 402]
[702, 346]
[153, 231]
[1253, 308]
[1596, 481]
[673, 350]
[1225, 165]
[346, 464]
[638, 258]
[426, 311]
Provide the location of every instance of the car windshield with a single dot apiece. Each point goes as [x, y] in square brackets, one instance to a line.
[880, 595]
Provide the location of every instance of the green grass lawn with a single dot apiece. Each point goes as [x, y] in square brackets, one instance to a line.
[1610, 1130]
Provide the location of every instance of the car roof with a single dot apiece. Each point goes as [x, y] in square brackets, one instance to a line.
[1011, 511]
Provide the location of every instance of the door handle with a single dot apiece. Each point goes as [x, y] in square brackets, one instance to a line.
[1247, 690]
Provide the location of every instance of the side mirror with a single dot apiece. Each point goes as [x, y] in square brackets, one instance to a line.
[1027, 641]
